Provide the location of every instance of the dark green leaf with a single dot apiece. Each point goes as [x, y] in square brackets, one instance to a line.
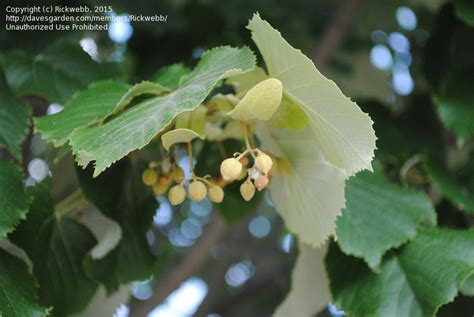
[119, 195]
[14, 120]
[457, 192]
[56, 247]
[465, 11]
[379, 216]
[56, 73]
[415, 281]
[17, 289]
[13, 199]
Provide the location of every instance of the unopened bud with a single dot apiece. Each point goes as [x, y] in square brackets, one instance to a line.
[176, 195]
[149, 176]
[197, 191]
[263, 162]
[231, 169]
[177, 174]
[165, 180]
[215, 193]
[244, 161]
[159, 189]
[247, 190]
[261, 182]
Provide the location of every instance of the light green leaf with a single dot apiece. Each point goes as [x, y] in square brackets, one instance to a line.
[13, 199]
[169, 76]
[424, 275]
[289, 116]
[17, 289]
[225, 103]
[56, 250]
[232, 130]
[137, 126]
[84, 108]
[243, 82]
[56, 73]
[456, 192]
[363, 229]
[467, 287]
[260, 102]
[341, 130]
[143, 88]
[454, 103]
[14, 120]
[311, 197]
[309, 285]
[178, 136]
[194, 120]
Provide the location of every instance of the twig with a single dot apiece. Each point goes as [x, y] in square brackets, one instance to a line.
[336, 32]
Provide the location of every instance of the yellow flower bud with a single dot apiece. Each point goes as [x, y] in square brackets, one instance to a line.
[215, 193]
[149, 176]
[231, 169]
[261, 182]
[165, 180]
[176, 173]
[247, 190]
[263, 162]
[159, 189]
[197, 191]
[176, 195]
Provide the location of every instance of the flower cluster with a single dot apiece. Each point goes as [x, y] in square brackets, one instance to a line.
[160, 176]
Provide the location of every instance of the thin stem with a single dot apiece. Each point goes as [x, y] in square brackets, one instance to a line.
[72, 202]
[246, 137]
[190, 157]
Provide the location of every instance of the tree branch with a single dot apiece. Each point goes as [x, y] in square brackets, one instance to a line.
[336, 32]
[189, 265]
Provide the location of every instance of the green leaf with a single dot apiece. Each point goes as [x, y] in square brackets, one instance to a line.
[309, 286]
[104, 305]
[232, 130]
[243, 82]
[56, 247]
[169, 76]
[120, 196]
[193, 120]
[143, 88]
[289, 116]
[363, 229]
[422, 276]
[225, 103]
[178, 136]
[465, 11]
[84, 108]
[341, 130]
[17, 289]
[56, 73]
[311, 197]
[260, 102]
[13, 199]
[14, 120]
[455, 191]
[455, 103]
[137, 126]
[468, 286]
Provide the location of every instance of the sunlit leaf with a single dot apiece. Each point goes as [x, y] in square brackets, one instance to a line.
[260, 102]
[340, 129]
[178, 136]
[169, 76]
[309, 285]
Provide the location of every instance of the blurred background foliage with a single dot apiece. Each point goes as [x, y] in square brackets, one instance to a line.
[409, 64]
